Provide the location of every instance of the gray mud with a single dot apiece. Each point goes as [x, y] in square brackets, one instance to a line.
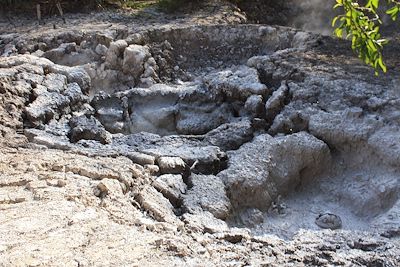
[251, 126]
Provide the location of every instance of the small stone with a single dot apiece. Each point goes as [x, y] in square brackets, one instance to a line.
[31, 168]
[101, 49]
[16, 198]
[137, 170]
[236, 235]
[152, 169]
[109, 186]
[36, 184]
[115, 54]
[329, 221]
[207, 194]
[51, 182]
[204, 222]
[141, 158]
[254, 105]
[173, 165]
[157, 205]
[252, 217]
[61, 183]
[276, 102]
[172, 187]
[134, 58]
[88, 128]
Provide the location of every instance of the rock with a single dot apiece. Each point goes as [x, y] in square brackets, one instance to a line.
[302, 40]
[152, 169]
[75, 95]
[140, 158]
[364, 244]
[276, 102]
[150, 74]
[261, 170]
[201, 118]
[386, 143]
[101, 49]
[104, 39]
[204, 222]
[74, 74]
[157, 205]
[254, 106]
[86, 128]
[115, 53]
[137, 170]
[208, 159]
[33, 185]
[15, 180]
[173, 165]
[47, 139]
[109, 186]
[178, 249]
[252, 217]
[172, 187]
[152, 109]
[230, 136]
[342, 127]
[235, 235]
[57, 55]
[207, 194]
[135, 57]
[291, 120]
[237, 84]
[329, 221]
[55, 82]
[46, 106]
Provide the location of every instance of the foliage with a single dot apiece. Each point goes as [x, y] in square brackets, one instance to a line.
[137, 4]
[173, 5]
[361, 23]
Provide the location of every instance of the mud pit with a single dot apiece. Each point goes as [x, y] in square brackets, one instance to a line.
[233, 126]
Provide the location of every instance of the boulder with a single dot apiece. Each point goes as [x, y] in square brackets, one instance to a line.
[172, 187]
[101, 49]
[276, 102]
[201, 118]
[57, 54]
[259, 171]
[88, 128]
[204, 222]
[173, 165]
[75, 95]
[237, 84]
[157, 205]
[230, 136]
[135, 57]
[254, 106]
[45, 107]
[109, 186]
[115, 53]
[207, 194]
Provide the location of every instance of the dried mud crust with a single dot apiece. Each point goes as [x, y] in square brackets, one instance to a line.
[150, 146]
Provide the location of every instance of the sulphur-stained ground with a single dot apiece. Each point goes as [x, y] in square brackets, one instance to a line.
[138, 138]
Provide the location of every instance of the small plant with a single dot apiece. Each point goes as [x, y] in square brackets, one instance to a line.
[138, 4]
[362, 23]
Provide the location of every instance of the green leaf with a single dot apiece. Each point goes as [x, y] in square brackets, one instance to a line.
[382, 65]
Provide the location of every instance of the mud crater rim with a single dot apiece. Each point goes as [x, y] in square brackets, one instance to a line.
[162, 81]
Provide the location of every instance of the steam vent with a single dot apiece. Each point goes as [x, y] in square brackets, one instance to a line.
[199, 138]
